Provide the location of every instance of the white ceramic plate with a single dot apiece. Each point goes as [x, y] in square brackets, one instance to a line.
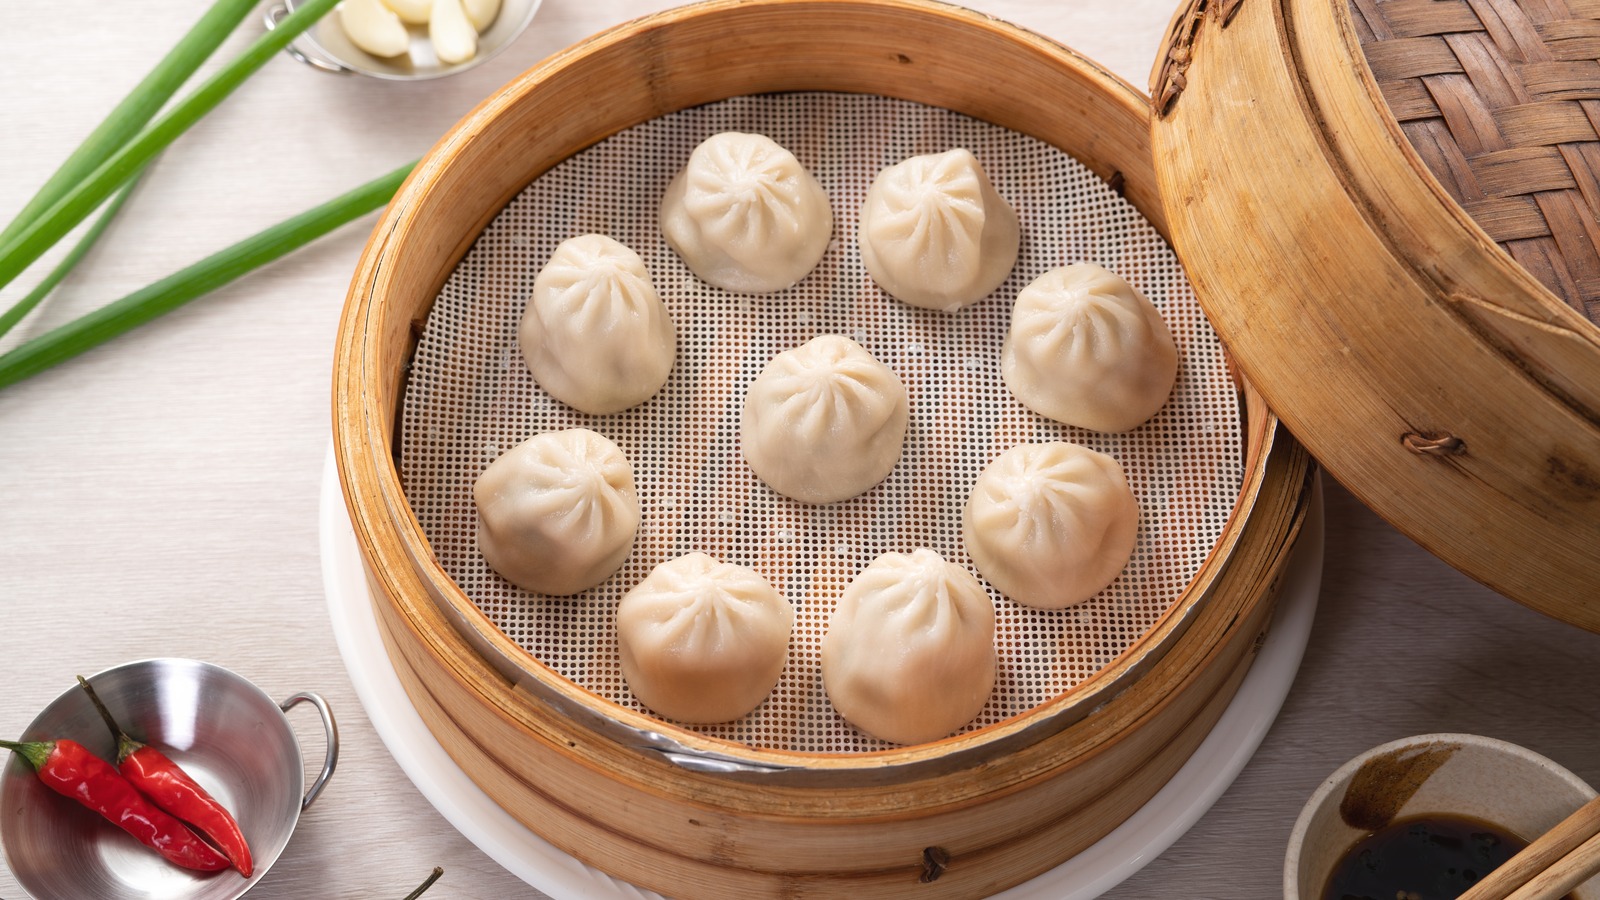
[1143, 837]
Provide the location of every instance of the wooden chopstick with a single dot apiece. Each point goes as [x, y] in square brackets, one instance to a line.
[1555, 863]
[1568, 872]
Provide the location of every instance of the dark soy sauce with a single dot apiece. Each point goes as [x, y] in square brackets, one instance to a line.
[1421, 858]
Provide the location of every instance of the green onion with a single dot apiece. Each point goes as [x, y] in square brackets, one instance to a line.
[24, 306]
[143, 102]
[53, 224]
[210, 273]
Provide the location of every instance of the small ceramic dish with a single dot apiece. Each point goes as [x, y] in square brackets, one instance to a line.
[326, 47]
[1429, 775]
[223, 730]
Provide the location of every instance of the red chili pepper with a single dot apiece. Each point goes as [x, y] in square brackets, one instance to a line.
[69, 769]
[172, 789]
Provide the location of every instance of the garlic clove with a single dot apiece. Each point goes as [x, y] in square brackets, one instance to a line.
[481, 13]
[454, 38]
[374, 27]
[414, 11]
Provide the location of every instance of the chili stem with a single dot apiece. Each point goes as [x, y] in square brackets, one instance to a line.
[213, 272]
[142, 103]
[105, 714]
[22, 307]
[437, 871]
[48, 227]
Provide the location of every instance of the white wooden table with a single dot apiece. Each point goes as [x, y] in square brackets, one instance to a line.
[158, 497]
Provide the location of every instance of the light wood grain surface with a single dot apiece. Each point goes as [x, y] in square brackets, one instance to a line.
[158, 497]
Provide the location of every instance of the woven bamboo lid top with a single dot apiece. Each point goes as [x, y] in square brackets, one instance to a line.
[1501, 99]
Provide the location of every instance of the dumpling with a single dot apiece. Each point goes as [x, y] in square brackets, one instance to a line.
[1050, 525]
[595, 334]
[1087, 349]
[703, 641]
[935, 233]
[824, 421]
[909, 653]
[557, 513]
[745, 215]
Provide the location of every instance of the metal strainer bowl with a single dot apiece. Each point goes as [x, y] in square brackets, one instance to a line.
[223, 730]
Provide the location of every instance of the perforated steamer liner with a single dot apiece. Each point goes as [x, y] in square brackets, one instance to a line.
[694, 815]
[470, 397]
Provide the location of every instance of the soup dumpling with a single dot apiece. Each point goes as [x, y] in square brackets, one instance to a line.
[745, 215]
[909, 653]
[1086, 349]
[557, 513]
[596, 335]
[824, 421]
[703, 641]
[935, 233]
[1051, 525]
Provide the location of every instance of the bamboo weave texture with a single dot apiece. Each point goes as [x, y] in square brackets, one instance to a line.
[1501, 99]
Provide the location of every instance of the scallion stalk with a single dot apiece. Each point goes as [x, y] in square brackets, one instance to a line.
[142, 103]
[50, 226]
[213, 272]
[22, 307]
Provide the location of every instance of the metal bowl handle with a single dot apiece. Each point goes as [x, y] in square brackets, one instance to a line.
[331, 730]
[273, 16]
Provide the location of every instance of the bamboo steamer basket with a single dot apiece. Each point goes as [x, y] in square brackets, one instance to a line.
[667, 808]
[1377, 159]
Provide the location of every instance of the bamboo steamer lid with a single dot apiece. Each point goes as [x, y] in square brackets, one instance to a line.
[1388, 213]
